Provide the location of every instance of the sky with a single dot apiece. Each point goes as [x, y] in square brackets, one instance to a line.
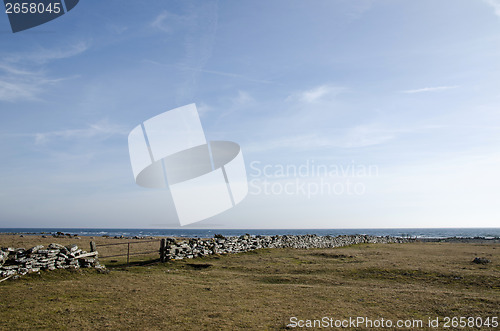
[349, 114]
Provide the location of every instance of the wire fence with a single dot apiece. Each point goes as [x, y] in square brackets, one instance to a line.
[129, 252]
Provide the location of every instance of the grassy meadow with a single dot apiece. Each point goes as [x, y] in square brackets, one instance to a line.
[261, 289]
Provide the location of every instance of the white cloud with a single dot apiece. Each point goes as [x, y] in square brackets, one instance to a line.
[101, 129]
[430, 89]
[495, 4]
[317, 94]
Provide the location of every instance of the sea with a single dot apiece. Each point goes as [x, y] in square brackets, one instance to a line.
[430, 233]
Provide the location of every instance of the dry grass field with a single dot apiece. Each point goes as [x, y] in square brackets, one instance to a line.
[261, 289]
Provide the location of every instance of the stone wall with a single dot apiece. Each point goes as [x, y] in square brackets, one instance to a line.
[20, 261]
[176, 250]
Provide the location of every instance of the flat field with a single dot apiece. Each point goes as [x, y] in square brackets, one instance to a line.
[261, 289]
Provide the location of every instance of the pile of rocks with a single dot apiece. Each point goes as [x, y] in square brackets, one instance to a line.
[20, 261]
[63, 235]
[481, 260]
[191, 248]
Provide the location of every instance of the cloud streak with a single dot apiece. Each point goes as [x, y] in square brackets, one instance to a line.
[101, 129]
[430, 89]
[19, 84]
[28, 80]
[13, 89]
[44, 55]
[317, 94]
[214, 72]
[228, 74]
[353, 137]
[22, 84]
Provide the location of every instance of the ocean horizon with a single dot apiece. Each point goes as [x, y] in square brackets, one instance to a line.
[209, 233]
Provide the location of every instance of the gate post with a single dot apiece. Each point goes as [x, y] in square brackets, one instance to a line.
[162, 250]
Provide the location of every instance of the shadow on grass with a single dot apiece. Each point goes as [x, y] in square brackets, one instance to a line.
[154, 262]
[120, 264]
[199, 266]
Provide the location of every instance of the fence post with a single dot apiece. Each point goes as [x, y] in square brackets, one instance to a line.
[162, 250]
[92, 246]
[128, 253]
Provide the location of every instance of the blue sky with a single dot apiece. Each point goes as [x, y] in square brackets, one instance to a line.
[409, 89]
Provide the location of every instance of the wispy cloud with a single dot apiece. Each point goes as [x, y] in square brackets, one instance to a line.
[243, 98]
[117, 29]
[354, 137]
[204, 108]
[317, 94]
[495, 4]
[197, 31]
[101, 129]
[12, 89]
[228, 105]
[430, 89]
[228, 74]
[356, 9]
[168, 22]
[23, 77]
[365, 135]
[214, 72]
[22, 84]
[45, 55]
[9, 69]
